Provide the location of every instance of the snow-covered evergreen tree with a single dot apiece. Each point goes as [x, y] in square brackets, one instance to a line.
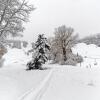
[39, 53]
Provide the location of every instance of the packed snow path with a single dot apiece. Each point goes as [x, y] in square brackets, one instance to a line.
[35, 94]
[71, 83]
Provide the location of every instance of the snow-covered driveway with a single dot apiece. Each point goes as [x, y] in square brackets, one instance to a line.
[74, 83]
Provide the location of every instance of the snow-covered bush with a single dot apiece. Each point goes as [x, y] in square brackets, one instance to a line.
[3, 50]
[71, 62]
[74, 59]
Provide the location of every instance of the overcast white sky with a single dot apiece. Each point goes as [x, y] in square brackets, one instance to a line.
[82, 15]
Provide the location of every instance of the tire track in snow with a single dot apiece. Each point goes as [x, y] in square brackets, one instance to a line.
[36, 94]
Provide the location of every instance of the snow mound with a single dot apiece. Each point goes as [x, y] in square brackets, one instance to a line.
[90, 54]
[16, 56]
[87, 50]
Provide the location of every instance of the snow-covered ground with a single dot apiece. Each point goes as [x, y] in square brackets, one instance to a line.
[73, 83]
[59, 82]
[90, 54]
[15, 81]
[77, 82]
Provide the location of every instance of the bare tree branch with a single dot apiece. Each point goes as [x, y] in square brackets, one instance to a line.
[13, 13]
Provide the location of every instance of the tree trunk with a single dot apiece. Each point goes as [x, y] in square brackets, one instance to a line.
[64, 54]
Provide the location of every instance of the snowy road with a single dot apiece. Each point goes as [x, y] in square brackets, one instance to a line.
[70, 83]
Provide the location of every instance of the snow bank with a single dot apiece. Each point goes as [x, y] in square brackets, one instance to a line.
[87, 50]
[14, 56]
[90, 54]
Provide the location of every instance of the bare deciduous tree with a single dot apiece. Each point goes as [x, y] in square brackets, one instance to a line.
[63, 41]
[12, 15]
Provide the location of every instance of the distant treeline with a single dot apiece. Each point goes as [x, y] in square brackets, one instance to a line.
[93, 39]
